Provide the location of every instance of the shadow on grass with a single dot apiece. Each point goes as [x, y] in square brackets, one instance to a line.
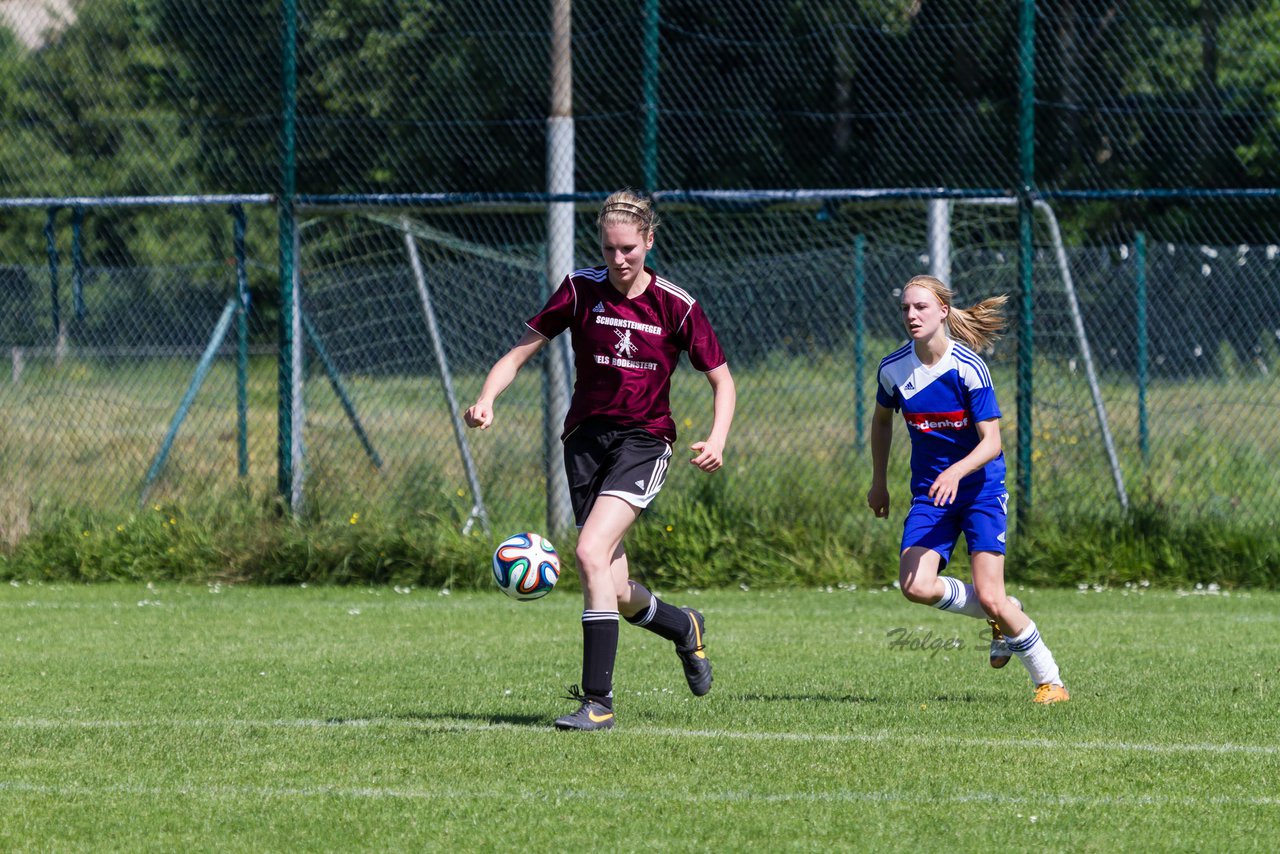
[843, 699]
[442, 719]
[961, 698]
[806, 698]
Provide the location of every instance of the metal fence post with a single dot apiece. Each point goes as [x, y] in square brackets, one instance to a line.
[1026, 253]
[77, 262]
[859, 340]
[242, 342]
[650, 154]
[285, 450]
[560, 239]
[55, 300]
[939, 226]
[1140, 321]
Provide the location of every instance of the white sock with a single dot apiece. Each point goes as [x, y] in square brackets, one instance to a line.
[959, 598]
[1035, 656]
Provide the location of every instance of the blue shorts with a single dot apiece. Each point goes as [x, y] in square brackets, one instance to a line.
[982, 520]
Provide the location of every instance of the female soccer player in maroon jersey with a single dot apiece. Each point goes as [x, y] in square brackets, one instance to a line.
[628, 326]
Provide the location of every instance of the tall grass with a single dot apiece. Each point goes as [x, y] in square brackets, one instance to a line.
[703, 539]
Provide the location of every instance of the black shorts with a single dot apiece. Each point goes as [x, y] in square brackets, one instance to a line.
[602, 458]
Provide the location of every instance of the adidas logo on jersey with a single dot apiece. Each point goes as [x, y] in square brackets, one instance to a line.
[910, 386]
[599, 307]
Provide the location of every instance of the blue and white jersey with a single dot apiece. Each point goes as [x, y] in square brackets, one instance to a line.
[942, 406]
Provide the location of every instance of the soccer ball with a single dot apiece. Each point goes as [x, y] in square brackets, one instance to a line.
[526, 566]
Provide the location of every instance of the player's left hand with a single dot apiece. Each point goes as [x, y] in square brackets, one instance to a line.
[943, 490]
[709, 456]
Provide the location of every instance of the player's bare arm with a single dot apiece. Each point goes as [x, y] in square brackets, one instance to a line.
[480, 413]
[946, 486]
[724, 395]
[881, 440]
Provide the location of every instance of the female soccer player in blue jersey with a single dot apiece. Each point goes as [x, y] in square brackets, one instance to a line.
[628, 326]
[947, 399]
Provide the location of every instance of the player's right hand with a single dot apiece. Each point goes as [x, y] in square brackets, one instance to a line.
[878, 501]
[479, 415]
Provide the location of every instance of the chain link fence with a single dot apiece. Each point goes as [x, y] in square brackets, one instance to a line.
[1135, 395]
[1155, 306]
[1184, 335]
[128, 387]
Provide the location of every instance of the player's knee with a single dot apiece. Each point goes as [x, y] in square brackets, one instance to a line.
[991, 604]
[592, 559]
[914, 591]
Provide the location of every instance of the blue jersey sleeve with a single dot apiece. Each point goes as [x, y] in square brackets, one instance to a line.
[887, 397]
[982, 403]
[975, 380]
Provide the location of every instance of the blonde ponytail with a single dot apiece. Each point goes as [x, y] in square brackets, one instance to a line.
[980, 324]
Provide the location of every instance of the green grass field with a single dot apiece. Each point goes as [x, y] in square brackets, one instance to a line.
[267, 719]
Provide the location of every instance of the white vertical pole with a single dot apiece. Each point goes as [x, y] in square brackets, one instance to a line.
[940, 239]
[478, 510]
[560, 238]
[299, 344]
[1086, 352]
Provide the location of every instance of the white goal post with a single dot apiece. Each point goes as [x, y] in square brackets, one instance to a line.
[939, 226]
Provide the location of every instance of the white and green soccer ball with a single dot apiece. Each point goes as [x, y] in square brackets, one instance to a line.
[526, 566]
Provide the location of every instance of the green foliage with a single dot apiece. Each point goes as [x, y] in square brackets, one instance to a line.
[241, 540]
[167, 96]
[698, 540]
[787, 511]
[1149, 545]
[705, 539]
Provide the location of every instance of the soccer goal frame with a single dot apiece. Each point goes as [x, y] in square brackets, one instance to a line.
[940, 266]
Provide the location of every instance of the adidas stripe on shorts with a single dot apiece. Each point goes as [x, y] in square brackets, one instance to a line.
[603, 458]
[983, 521]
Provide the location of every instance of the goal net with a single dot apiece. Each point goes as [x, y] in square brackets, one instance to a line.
[802, 293]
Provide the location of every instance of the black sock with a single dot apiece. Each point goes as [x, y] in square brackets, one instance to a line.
[599, 650]
[664, 620]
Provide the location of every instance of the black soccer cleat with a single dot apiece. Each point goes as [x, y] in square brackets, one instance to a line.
[591, 714]
[693, 655]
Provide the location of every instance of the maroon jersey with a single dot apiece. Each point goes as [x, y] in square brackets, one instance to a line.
[626, 349]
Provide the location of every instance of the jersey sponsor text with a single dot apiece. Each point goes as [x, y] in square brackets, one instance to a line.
[625, 351]
[927, 421]
[628, 324]
[619, 362]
